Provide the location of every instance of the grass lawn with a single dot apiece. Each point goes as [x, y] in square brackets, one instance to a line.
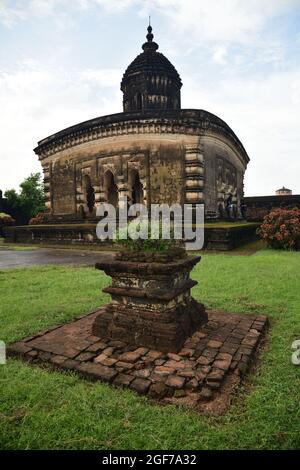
[13, 246]
[53, 410]
[30, 246]
[230, 224]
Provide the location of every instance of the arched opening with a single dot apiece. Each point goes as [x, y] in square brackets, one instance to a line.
[139, 101]
[136, 189]
[111, 188]
[89, 193]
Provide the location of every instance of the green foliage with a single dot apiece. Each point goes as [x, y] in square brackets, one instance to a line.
[38, 219]
[30, 199]
[13, 199]
[281, 229]
[6, 219]
[58, 410]
[142, 236]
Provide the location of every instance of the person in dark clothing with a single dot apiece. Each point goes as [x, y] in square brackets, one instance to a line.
[243, 209]
[229, 205]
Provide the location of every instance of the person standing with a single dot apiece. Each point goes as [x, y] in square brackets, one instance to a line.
[229, 205]
[243, 209]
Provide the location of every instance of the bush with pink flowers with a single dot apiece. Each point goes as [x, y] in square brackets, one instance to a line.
[6, 219]
[38, 219]
[281, 229]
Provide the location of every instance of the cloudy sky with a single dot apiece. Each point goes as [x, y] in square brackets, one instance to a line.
[61, 62]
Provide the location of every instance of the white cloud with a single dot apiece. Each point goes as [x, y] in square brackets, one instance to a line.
[12, 11]
[231, 63]
[264, 112]
[115, 6]
[36, 101]
[295, 91]
[103, 78]
[216, 20]
[43, 7]
[219, 20]
[9, 16]
[220, 55]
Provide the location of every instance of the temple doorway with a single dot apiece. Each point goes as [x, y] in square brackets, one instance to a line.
[89, 193]
[137, 188]
[111, 188]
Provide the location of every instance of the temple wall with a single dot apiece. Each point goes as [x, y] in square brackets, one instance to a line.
[63, 195]
[224, 173]
[172, 168]
[158, 159]
[166, 169]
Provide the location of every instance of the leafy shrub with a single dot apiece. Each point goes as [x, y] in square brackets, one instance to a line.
[143, 236]
[28, 201]
[6, 219]
[281, 229]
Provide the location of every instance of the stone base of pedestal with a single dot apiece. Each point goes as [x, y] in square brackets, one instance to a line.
[165, 331]
[151, 300]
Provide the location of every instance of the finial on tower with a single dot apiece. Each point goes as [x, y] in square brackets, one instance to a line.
[150, 45]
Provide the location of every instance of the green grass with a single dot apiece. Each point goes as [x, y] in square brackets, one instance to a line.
[35, 297]
[230, 224]
[15, 247]
[249, 247]
[52, 410]
[37, 246]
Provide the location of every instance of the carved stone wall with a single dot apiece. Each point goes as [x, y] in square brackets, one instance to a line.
[122, 167]
[226, 181]
[160, 168]
[224, 170]
[166, 168]
[63, 187]
[190, 162]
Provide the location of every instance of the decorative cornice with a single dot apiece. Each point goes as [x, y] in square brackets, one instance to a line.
[185, 121]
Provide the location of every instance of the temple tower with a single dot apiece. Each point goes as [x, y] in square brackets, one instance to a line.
[151, 82]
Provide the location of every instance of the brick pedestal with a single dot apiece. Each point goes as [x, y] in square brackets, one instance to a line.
[151, 300]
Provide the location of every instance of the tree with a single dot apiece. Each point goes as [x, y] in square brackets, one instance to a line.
[29, 201]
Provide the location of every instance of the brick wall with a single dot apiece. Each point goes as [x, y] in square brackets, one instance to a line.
[259, 206]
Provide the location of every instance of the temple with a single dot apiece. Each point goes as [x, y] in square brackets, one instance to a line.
[152, 152]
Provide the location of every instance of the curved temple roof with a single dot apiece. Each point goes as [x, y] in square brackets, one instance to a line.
[198, 119]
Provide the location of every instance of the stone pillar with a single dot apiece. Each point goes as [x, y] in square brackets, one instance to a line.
[194, 175]
[122, 191]
[151, 300]
[47, 188]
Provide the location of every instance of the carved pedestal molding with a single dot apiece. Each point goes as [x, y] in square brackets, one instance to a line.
[151, 301]
[194, 174]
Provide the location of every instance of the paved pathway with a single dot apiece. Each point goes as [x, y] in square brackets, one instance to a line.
[15, 259]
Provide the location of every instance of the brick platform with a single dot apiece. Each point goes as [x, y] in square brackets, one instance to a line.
[151, 306]
[202, 375]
